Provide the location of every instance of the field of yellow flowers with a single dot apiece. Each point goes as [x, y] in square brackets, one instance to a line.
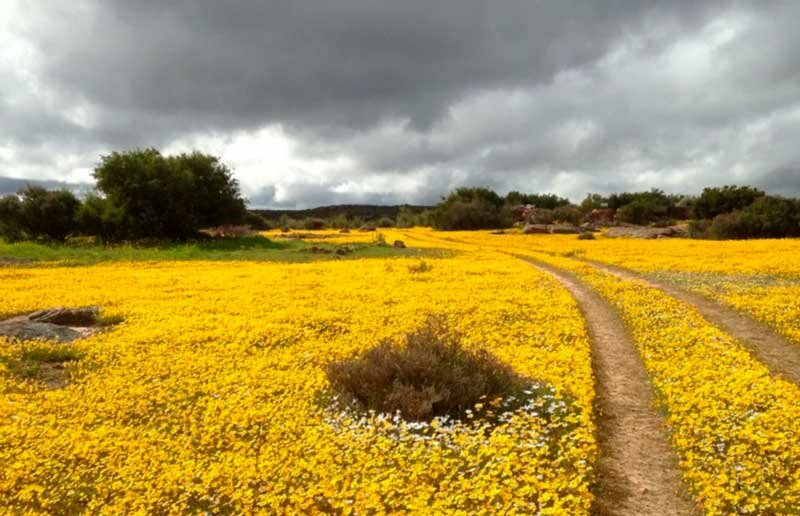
[733, 425]
[207, 397]
[211, 395]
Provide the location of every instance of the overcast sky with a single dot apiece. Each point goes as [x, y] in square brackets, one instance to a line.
[315, 102]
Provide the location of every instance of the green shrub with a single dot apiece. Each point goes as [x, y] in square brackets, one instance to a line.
[471, 208]
[767, 217]
[313, 223]
[567, 214]
[642, 211]
[716, 201]
[385, 222]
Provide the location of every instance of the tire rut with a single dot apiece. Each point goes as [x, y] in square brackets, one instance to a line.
[780, 356]
[637, 472]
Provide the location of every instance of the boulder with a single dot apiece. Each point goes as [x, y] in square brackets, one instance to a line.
[534, 229]
[497, 232]
[367, 227]
[563, 229]
[344, 230]
[399, 244]
[27, 330]
[67, 316]
[647, 233]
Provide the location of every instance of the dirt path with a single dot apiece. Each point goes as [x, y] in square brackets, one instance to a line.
[780, 356]
[637, 468]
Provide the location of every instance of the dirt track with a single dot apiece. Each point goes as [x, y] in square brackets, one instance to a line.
[780, 356]
[637, 469]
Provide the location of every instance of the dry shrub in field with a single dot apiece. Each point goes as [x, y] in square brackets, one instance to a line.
[431, 374]
[422, 266]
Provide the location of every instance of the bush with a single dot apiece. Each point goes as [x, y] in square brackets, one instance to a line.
[431, 374]
[471, 208]
[774, 217]
[256, 221]
[642, 211]
[312, 223]
[729, 198]
[734, 225]
[36, 213]
[168, 197]
[699, 228]
[767, 217]
[385, 222]
[567, 214]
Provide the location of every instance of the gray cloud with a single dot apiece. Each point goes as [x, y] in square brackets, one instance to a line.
[419, 97]
[10, 185]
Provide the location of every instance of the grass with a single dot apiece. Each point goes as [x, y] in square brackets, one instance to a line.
[254, 248]
[43, 363]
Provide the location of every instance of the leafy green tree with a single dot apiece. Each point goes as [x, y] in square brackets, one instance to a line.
[716, 201]
[98, 217]
[11, 218]
[544, 201]
[168, 197]
[471, 208]
[37, 213]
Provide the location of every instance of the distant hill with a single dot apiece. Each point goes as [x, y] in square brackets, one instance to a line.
[363, 211]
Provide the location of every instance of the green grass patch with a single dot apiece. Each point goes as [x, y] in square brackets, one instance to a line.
[252, 248]
[42, 363]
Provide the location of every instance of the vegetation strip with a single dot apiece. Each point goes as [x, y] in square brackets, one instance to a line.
[781, 357]
[637, 470]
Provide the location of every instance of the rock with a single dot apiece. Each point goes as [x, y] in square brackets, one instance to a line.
[285, 229]
[535, 229]
[39, 330]
[563, 229]
[399, 244]
[367, 227]
[344, 230]
[497, 232]
[647, 233]
[67, 316]
[588, 226]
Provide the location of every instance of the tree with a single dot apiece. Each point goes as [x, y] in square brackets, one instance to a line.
[168, 197]
[36, 213]
[544, 201]
[11, 218]
[471, 208]
[593, 201]
[98, 217]
[716, 201]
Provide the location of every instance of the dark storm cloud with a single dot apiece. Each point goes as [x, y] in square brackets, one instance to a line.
[314, 65]
[564, 96]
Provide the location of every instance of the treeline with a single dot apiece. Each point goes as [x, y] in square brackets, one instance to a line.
[143, 194]
[350, 216]
[728, 212]
[139, 195]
